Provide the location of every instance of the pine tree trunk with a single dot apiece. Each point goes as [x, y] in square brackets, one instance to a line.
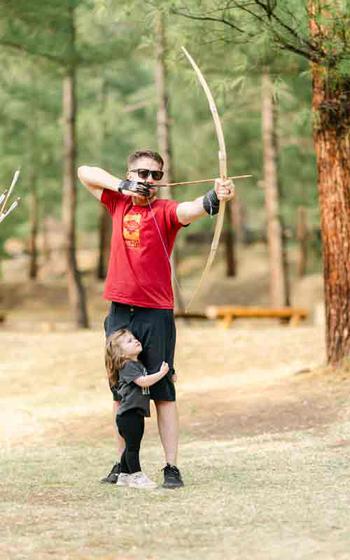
[33, 188]
[105, 221]
[238, 220]
[104, 237]
[277, 256]
[75, 288]
[46, 250]
[34, 226]
[163, 133]
[331, 130]
[302, 236]
[331, 106]
[230, 241]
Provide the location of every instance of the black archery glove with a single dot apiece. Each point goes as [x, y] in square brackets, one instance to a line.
[135, 187]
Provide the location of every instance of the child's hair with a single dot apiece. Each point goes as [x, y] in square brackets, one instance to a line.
[114, 358]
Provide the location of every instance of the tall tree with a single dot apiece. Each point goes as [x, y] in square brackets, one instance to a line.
[277, 255]
[230, 241]
[34, 198]
[163, 132]
[69, 201]
[104, 221]
[330, 34]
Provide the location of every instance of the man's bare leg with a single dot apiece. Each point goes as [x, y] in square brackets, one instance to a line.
[168, 427]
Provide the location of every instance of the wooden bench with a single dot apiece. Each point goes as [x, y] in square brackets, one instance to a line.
[225, 314]
[190, 315]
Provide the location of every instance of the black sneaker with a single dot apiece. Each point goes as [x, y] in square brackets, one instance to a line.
[112, 477]
[172, 477]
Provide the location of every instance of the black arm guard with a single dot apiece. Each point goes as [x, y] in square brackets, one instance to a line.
[211, 203]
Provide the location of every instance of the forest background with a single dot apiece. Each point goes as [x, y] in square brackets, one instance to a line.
[113, 51]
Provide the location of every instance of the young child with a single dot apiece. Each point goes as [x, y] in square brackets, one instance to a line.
[128, 376]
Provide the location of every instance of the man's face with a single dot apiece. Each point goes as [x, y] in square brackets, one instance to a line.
[144, 163]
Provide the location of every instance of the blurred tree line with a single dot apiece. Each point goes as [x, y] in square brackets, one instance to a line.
[116, 98]
[85, 70]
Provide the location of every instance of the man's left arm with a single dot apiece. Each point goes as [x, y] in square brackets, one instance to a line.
[188, 212]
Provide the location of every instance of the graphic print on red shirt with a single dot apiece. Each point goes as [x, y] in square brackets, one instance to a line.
[132, 230]
[139, 271]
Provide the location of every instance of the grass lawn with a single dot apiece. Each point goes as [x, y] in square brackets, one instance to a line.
[264, 454]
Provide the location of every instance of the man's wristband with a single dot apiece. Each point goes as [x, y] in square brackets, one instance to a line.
[211, 203]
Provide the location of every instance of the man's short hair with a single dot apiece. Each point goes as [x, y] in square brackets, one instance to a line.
[145, 154]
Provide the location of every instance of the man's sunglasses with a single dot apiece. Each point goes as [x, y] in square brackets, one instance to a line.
[145, 173]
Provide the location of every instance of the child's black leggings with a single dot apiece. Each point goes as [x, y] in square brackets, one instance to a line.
[131, 426]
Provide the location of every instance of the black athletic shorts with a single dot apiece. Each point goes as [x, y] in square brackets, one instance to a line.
[155, 329]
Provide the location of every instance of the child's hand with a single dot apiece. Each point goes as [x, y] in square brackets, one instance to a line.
[164, 368]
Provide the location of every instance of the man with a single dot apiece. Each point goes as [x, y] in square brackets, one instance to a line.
[138, 281]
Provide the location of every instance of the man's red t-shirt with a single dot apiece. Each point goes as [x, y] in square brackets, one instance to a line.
[139, 271]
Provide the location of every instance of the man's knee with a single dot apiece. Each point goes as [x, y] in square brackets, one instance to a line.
[165, 406]
[167, 413]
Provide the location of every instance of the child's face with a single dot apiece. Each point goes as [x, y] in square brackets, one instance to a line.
[130, 346]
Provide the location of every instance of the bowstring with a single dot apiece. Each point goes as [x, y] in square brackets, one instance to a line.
[164, 247]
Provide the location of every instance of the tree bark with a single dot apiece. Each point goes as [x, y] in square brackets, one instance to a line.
[238, 219]
[105, 221]
[331, 138]
[33, 188]
[302, 236]
[230, 241]
[277, 255]
[75, 288]
[104, 237]
[331, 131]
[34, 225]
[163, 133]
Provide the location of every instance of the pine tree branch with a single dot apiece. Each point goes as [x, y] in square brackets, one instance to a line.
[298, 44]
[302, 40]
[208, 18]
[33, 52]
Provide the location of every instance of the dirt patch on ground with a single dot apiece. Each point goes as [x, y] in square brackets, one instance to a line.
[305, 404]
[266, 409]
[256, 381]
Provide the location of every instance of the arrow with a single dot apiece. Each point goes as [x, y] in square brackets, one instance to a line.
[12, 207]
[8, 193]
[199, 181]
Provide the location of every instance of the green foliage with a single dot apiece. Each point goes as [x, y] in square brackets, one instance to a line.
[114, 56]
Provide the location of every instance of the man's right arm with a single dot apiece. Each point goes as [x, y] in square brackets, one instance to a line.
[96, 179]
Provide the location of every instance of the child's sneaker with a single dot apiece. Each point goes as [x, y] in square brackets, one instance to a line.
[123, 479]
[140, 480]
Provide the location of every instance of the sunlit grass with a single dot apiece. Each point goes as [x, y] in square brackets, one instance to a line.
[264, 452]
[261, 497]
